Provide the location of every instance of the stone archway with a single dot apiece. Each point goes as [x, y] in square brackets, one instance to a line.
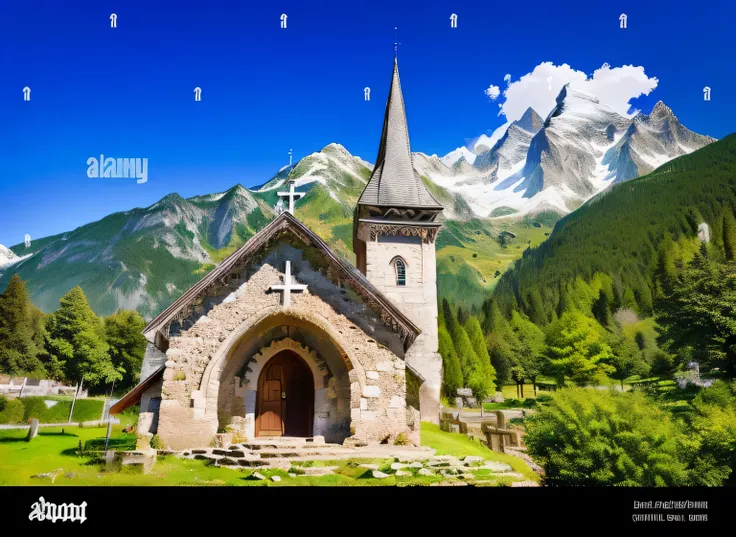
[209, 386]
[254, 367]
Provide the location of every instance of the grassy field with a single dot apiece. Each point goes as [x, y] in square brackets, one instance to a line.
[52, 450]
[470, 258]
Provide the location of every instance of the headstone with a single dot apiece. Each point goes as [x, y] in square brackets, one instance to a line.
[33, 431]
[458, 402]
[465, 392]
[472, 402]
[500, 419]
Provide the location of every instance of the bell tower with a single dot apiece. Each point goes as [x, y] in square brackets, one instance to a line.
[395, 229]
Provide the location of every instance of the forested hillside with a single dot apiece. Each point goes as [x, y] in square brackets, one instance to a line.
[620, 234]
[627, 276]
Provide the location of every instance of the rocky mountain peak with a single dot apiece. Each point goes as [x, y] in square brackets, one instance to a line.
[530, 121]
[336, 149]
[661, 112]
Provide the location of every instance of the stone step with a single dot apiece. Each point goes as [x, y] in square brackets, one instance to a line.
[286, 445]
[290, 454]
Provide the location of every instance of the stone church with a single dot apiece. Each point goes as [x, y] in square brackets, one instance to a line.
[286, 338]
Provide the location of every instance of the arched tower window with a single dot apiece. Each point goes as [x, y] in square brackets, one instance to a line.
[400, 268]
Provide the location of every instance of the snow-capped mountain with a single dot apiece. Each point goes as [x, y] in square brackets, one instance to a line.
[7, 257]
[504, 157]
[581, 148]
[460, 153]
[650, 141]
[342, 175]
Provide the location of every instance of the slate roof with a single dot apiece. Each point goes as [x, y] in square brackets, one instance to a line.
[394, 181]
[133, 397]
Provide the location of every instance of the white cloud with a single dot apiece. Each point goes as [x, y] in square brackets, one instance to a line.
[507, 78]
[614, 87]
[493, 92]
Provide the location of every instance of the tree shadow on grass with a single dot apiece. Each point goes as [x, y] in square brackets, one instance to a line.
[62, 433]
[6, 440]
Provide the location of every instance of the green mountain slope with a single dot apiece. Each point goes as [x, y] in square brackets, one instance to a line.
[145, 258]
[619, 233]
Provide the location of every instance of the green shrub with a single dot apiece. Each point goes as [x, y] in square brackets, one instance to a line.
[180, 375]
[11, 410]
[600, 437]
[156, 442]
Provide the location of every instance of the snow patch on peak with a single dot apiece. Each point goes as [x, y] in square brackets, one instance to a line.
[568, 92]
[8, 257]
[453, 156]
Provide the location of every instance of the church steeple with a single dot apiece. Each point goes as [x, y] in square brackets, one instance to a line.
[394, 240]
[394, 183]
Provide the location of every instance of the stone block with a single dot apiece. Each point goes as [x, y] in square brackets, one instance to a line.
[385, 366]
[368, 415]
[396, 402]
[363, 403]
[371, 375]
[371, 391]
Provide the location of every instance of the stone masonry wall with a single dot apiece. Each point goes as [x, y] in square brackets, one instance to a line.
[418, 300]
[188, 415]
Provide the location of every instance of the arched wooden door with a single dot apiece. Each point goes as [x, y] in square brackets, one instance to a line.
[285, 405]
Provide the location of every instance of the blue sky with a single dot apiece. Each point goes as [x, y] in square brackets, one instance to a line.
[128, 91]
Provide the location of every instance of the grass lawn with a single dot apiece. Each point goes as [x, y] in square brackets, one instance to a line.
[52, 450]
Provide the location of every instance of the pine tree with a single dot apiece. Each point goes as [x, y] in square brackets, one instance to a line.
[500, 342]
[76, 336]
[453, 377]
[123, 334]
[529, 348]
[466, 355]
[577, 351]
[448, 315]
[462, 316]
[482, 379]
[729, 234]
[666, 267]
[18, 351]
[628, 358]
[629, 299]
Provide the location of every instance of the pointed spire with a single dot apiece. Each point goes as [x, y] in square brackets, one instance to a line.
[394, 182]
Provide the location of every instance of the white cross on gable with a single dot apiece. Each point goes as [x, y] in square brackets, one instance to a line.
[288, 286]
[291, 195]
